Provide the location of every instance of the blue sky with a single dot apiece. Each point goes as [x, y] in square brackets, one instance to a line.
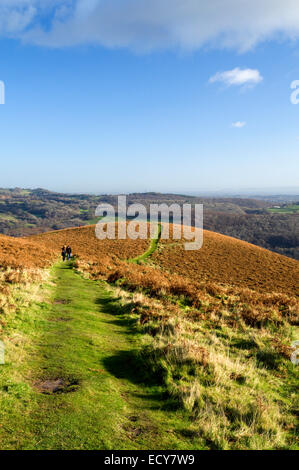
[93, 111]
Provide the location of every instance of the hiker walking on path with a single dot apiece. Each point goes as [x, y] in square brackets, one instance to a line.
[63, 253]
[68, 252]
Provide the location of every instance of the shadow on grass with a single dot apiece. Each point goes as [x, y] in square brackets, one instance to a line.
[65, 265]
[125, 363]
[119, 313]
[244, 344]
[160, 400]
[129, 364]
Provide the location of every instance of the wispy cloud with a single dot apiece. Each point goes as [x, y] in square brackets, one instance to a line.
[18, 16]
[150, 24]
[238, 77]
[15, 16]
[239, 124]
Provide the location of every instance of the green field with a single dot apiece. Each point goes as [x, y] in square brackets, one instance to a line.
[292, 209]
[8, 218]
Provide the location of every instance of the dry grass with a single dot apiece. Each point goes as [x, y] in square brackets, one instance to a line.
[18, 288]
[22, 265]
[211, 300]
[235, 379]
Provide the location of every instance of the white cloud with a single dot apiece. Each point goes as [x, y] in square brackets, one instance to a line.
[15, 17]
[238, 76]
[150, 24]
[18, 15]
[239, 124]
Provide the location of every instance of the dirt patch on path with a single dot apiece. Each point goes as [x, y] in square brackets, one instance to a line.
[58, 385]
[61, 301]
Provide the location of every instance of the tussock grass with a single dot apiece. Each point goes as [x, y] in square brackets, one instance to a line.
[18, 288]
[234, 378]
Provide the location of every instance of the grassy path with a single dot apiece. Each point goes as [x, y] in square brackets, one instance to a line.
[72, 380]
[152, 248]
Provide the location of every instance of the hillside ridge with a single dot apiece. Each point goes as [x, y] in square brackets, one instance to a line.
[222, 259]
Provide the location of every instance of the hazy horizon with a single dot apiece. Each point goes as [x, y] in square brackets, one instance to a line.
[291, 191]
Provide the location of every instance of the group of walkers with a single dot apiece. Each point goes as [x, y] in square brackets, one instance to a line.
[66, 252]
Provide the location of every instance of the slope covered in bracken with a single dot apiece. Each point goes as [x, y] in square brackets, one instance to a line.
[222, 260]
[23, 254]
[98, 254]
[226, 260]
[252, 283]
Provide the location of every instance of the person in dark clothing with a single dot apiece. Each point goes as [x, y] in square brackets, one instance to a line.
[68, 252]
[63, 253]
